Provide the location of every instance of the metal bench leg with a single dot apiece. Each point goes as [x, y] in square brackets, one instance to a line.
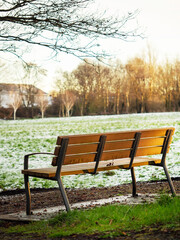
[169, 180]
[28, 195]
[134, 194]
[64, 195]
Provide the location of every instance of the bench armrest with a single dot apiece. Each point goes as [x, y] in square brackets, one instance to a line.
[26, 157]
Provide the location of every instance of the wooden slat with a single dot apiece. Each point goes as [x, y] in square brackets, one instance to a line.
[148, 151]
[87, 138]
[151, 142]
[129, 135]
[118, 145]
[71, 159]
[83, 138]
[115, 154]
[75, 149]
[124, 163]
[89, 167]
[154, 132]
[41, 172]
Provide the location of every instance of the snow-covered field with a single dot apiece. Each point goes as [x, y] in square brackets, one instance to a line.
[20, 137]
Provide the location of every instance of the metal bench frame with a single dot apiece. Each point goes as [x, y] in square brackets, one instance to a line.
[62, 154]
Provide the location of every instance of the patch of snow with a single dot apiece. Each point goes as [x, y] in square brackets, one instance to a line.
[20, 137]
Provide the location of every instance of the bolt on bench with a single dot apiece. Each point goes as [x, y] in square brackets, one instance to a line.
[91, 153]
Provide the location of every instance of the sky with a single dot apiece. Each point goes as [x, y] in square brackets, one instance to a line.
[159, 20]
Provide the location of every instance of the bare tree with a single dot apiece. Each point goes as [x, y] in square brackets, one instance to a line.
[85, 75]
[15, 101]
[64, 81]
[27, 88]
[119, 88]
[68, 99]
[99, 77]
[138, 74]
[67, 26]
[42, 102]
[165, 84]
[176, 85]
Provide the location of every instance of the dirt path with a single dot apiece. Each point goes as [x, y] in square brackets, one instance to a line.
[14, 201]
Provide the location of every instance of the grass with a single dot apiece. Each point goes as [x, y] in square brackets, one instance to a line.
[107, 221]
[20, 137]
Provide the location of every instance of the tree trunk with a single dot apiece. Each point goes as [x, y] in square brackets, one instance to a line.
[67, 112]
[114, 105]
[81, 110]
[137, 105]
[32, 111]
[142, 104]
[15, 114]
[62, 110]
[127, 102]
[107, 99]
[117, 101]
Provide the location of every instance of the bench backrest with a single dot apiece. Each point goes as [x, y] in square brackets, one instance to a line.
[83, 148]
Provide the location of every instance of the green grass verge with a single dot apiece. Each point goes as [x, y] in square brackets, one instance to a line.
[106, 220]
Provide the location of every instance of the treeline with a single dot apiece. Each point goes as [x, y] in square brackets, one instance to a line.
[138, 86]
[141, 85]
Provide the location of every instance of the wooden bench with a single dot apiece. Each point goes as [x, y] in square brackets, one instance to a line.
[91, 153]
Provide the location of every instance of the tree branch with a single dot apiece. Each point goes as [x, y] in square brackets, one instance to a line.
[60, 26]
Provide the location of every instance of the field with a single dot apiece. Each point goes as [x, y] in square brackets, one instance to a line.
[20, 137]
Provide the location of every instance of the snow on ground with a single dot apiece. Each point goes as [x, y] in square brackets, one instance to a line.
[20, 137]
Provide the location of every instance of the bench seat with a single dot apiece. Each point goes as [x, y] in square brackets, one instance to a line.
[89, 167]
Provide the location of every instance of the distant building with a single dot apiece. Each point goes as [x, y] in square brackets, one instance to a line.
[28, 92]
